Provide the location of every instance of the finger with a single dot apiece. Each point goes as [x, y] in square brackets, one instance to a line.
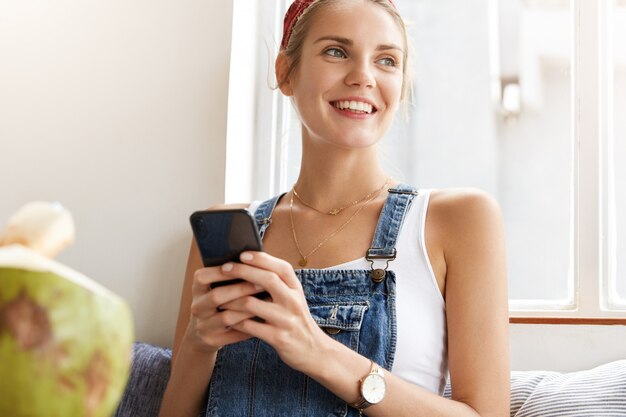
[225, 320]
[271, 263]
[208, 303]
[200, 283]
[263, 331]
[267, 310]
[204, 277]
[221, 337]
[262, 278]
[216, 331]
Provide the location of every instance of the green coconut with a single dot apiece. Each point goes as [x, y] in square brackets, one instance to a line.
[65, 340]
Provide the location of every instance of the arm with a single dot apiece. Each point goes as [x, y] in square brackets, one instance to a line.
[188, 381]
[477, 301]
[469, 227]
[196, 340]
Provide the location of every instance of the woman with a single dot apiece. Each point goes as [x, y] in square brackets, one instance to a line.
[377, 290]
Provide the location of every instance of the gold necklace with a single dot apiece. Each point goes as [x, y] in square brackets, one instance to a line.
[304, 258]
[336, 211]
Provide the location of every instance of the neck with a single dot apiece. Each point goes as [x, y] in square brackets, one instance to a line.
[330, 176]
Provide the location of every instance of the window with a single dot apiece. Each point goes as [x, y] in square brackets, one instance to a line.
[507, 101]
[616, 149]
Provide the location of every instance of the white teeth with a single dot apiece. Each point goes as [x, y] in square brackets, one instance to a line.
[359, 106]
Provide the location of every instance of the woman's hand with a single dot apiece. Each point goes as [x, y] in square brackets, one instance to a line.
[288, 327]
[210, 327]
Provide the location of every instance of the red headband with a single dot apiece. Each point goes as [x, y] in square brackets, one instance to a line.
[293, 14]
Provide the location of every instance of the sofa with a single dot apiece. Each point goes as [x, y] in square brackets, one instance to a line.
[600, 391]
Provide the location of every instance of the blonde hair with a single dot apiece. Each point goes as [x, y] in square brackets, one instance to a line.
[293, 49]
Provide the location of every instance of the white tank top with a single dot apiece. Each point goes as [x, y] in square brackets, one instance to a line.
[422, 342]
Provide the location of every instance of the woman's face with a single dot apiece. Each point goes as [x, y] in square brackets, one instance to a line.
[347, 85]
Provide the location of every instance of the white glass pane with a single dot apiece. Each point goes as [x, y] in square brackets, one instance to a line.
[619, 144]
[458, 135]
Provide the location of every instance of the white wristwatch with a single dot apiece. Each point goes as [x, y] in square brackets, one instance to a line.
[373, 388]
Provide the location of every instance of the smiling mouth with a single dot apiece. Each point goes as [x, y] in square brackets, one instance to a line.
[354, 106]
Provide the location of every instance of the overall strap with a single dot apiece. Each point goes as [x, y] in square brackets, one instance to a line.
[263, 213]
[390, 222]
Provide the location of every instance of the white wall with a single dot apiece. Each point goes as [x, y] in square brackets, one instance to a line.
[117, 109]
[565, 348]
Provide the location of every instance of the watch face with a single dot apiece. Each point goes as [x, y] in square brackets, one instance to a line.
[373, 388]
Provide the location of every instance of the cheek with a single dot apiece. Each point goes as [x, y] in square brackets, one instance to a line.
[398, 83]
[393, 92]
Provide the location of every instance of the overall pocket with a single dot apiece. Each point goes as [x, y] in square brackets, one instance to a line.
[342, 321]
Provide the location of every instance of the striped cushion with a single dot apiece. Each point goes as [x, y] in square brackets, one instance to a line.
[146, 384]
[599, 391]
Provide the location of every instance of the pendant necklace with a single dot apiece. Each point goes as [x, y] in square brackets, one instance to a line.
[304, 258]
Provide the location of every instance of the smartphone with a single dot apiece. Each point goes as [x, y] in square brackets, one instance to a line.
[221, 236]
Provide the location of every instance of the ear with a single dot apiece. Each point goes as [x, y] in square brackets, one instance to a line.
[282, 71]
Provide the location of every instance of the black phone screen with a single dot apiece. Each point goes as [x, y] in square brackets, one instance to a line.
[222, 235]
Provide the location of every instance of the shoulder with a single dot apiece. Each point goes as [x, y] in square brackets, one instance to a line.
[460, 200]
[459, 205]
[461, 215]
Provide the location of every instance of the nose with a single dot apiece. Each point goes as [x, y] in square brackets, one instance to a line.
[361, 75]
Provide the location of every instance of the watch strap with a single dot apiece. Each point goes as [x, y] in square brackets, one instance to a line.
[362, 403]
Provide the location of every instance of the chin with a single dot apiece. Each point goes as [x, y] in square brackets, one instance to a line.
[346, 138]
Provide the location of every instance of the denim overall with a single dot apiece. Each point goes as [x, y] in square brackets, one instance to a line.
[355, 307]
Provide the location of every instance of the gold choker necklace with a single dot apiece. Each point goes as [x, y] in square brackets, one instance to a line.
[336, 211]
[304, 258]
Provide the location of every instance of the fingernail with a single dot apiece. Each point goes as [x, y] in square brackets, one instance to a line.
[227, 267]
[257, 287]
[246, 256]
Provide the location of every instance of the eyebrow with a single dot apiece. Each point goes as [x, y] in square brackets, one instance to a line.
[349, 42]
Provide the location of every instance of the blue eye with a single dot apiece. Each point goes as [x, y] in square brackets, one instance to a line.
[335, 53]
[390, 62]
